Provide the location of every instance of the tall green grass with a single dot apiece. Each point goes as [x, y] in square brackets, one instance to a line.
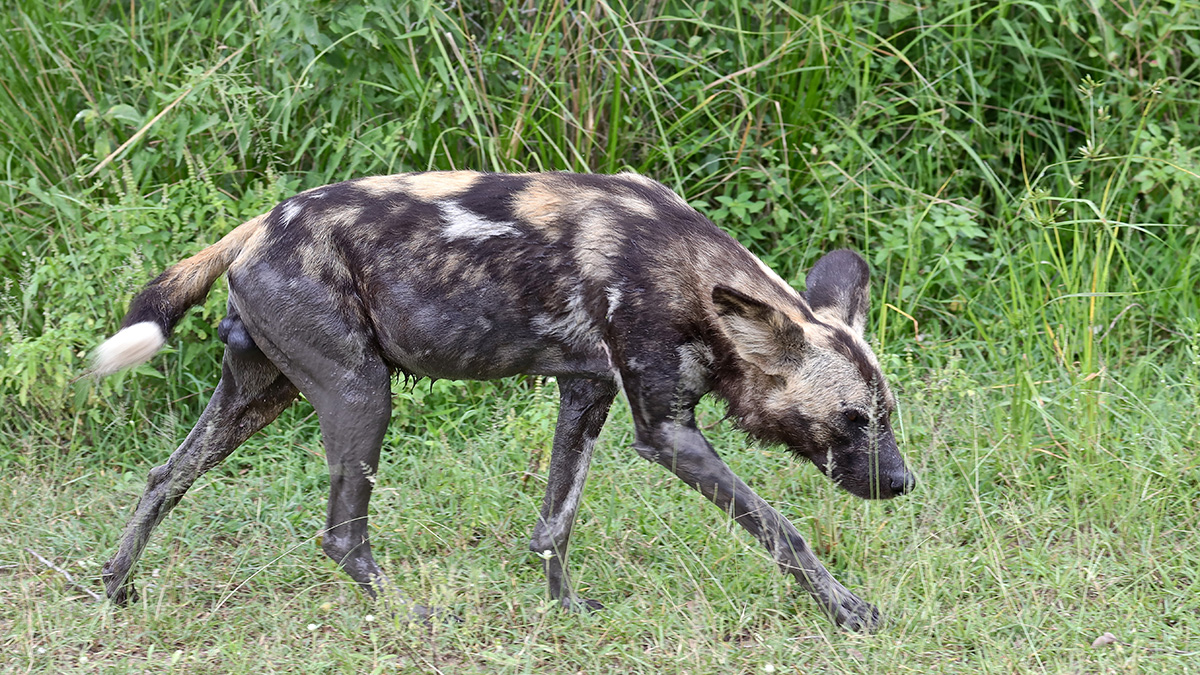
[1021, 175]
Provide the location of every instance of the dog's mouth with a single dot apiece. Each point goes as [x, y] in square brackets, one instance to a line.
[826, 464]
[821, 459]
[863, 484]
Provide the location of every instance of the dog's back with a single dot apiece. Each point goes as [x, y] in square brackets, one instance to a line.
[476, 276]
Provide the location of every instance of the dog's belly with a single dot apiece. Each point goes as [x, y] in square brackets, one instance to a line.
[477, 335]
[442, 361]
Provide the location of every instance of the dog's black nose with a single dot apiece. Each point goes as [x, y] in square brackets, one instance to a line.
[903, 482]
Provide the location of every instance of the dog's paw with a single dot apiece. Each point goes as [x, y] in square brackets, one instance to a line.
[428, 616]
[404, 612]
[857, 615]
[118, 588]
[581, 605]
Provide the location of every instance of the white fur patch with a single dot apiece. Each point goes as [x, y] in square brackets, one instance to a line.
[695, 368]
[291, 209]
[574, 326]
[464, 224]
[612, 367]
[556, 527]
[130, 346]
[614, 300]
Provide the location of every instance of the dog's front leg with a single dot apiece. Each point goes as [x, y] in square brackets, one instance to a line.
[682, 449]
[582, 410]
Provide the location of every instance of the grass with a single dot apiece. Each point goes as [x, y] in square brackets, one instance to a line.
[998, 564]
[1020, 175]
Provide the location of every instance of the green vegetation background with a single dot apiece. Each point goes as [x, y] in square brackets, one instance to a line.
[1021, 174]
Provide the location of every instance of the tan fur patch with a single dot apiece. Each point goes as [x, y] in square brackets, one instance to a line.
[826, 379]
[318, 255]
[632, 204]
[824, 382]
[255, 241]
[548, 200]
[382, 186]
[598, 243]
[430, 186]
[768, 287]
[664, 191]
[449, 265]
[540, 204]
[438, 184]
[193, 275]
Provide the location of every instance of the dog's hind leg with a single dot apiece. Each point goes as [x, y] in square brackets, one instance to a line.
[252, 392]
[354, 412]
[326, 349]
[582, 411]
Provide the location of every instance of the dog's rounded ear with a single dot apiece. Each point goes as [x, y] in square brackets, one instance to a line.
[760, 333]
[840, 284]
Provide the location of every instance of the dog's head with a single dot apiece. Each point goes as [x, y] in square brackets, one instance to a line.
[810, 381]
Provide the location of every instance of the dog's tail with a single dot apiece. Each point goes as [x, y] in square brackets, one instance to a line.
[163, 302]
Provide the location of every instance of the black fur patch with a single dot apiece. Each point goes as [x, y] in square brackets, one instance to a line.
[847, 346]
[839, 279]
[491, 196]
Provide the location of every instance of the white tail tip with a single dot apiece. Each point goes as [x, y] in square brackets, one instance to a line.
[130, 346]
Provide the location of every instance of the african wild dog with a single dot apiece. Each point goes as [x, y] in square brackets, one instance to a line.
[608, 283]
